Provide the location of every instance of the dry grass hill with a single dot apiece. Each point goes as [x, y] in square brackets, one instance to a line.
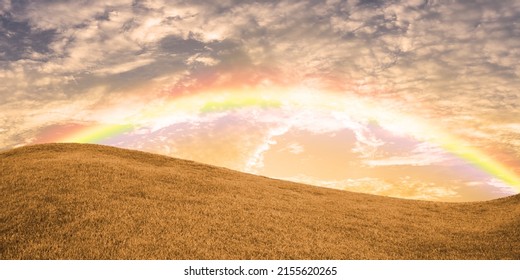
[73, 201]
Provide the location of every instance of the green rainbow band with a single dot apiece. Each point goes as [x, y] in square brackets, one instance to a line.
[98, 133]
[484, 163]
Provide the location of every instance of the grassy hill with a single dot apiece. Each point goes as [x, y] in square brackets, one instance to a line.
[73, 201]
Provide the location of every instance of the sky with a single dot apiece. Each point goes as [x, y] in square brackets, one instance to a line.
[414, 99]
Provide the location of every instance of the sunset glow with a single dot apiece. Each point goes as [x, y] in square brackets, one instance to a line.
[411, 99]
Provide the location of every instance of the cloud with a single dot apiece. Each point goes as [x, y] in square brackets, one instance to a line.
[403, 188]
[411, 68]
[296, 148]
[18, 40]
[421, 155]
[255, 162]
[5, 5]
[125, 67]
[500, 187]
[204, 60]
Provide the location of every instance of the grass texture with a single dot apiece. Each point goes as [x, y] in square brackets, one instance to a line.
[81, 201]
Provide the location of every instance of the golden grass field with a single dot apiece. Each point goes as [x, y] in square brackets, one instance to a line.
[79, 201]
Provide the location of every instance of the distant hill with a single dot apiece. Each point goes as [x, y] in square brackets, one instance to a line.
[79, 201]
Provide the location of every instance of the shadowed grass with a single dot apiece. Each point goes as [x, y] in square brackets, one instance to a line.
[73, 201]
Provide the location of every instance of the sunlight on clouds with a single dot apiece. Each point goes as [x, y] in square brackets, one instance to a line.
[407, 84]
[500, 186]
[256, 160]
[125, 67]
[206, 60]
[422, 154]
[404, 188]
[296, 148]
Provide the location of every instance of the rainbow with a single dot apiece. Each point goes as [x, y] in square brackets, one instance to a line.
[180, 108]
[98, 133]
[80, 133]
[481, 160]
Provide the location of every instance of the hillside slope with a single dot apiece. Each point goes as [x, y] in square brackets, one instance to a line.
[73, 201]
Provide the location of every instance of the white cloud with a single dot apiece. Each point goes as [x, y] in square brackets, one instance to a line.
[125, 67]
[255, 161]
[501, 187]
[423, 154]
[296, 148]
[405, 188]
[205, 60]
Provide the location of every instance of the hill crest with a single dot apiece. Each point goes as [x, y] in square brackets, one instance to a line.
[83, 201]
